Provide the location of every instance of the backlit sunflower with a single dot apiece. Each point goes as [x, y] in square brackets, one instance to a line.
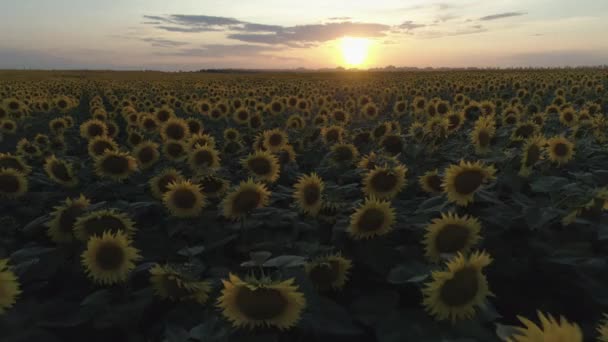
[98, 145]
[344, 154]
[93, 128]
[170, 283]
[97, 222]
[174, 129]
[430, 182]
[13, 184]
[159, 184]
[115, 165]
[213, 186]
[109, 258]
[262, 302]
[60, 171]
[9, 161]
[61, 226]
[9, 287]
[454, 293]
[274, 140]
[461, 181]
[175, 150]
[550, 329]
[146, 154]
[308, 193]
[203, 159]
[532, 152]
[385, 182]
[245, 198]
[332, 134]
[450, 234]
[328, 272]
[184, 199]
[560, 150]
[373, 218]
[262, 165]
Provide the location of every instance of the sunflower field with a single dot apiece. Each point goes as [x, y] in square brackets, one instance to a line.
[348, 206]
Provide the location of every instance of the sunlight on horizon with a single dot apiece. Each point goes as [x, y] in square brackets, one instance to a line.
[355, 51]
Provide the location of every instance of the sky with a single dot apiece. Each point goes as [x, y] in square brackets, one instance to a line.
[175, 35]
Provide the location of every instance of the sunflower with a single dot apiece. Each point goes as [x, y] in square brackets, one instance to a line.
[482, 136]
[461, 181]
[602, 329]
[525, 130]
[159, 184]
[135, 137]
[174, 129]
[274, 140]
[98, 145]
[373, 218]
[568, 117]
[370, 111]
[231, 134]
[393, 144]
[430, 182]
[384, 182]
[262, 165]
[13, 184]
[246, 197]
[184, 199]
[97, 222]
[175, 150]
[455, 120]
[255, 302]
[93, 128]
[340, 116]
[8, 126]
[203, 159]
[115, 165]
[213, 186]
[368, 162]
[9, 161]
[332, 134]
[9, 287]
[169, 283]
[560, 150]
[286, 155]
[194, 125]
[146, 154]
[202, 139]
[437, 127]
[454, 293]
[60, 171]
[308, 193]
[549, 330]
[416, 131]
[241, 116]
[328, 272]
[164, 114]
[26, 148]
[344, 154]
[381, 130]
[532, 152]
[61, 226]
[109, 258]
[450, 234]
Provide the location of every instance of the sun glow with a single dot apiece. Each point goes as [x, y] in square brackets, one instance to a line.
[355, 51]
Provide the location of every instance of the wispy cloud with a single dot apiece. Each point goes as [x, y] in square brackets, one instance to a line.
[410, 25]
[502, 16]
[160, 42]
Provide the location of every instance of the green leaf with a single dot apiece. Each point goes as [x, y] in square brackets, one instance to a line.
[412, 272]
[548, 184]
[191, 251]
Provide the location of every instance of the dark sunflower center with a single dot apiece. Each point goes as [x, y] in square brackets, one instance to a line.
[533, 155]
[175, 131]
[101, 146]
[332, 135]
[164, 182]
[68, 217]
[95, 130]
[175, 150]
[339, 116]
[9, 184]
[255, 121]
[135, 139]
[276, 107]
[384, 181]
[231, 135]
[115, 165]
[149, 124]
[203, 158]
[98, 225]
[380, 131]
[109, 257]
[371, 111]
[259, 166]
[184, 198]
[312, 194]
[468, 181]
[362, 138]
[246, 201]
[452, 238]
[484, 138]
[211, 185]
[62, 104]
[261, 303]
[275, 140]
[146, 154]
[243, 115]
[561, 149]
[162, 116]
[434, 182]
[324, 275]
[60, 171]
[454, 121]
[8, 125]
[568, 116]
[371, 220]
[393, 144]
[461, 289]
[511, 119]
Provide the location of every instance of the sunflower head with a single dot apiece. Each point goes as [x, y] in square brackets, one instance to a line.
[9, 161]
[203, 159]
[274, 140]
[60, 171]
[159, 184]
[560, 150]
[262, 165]
[98, 145]
[146, 154]
[385, 182]
[245, 198]
[9, 287]
[97, 222]
[393, 144]
[344, 154]
[231, 134]
[532, 152]
[109, 258]
[93, 128]
[450, 234]
[430, 182]
[550, 329]
[328, 272]
[525, 130]
[175, 150]
[461, 181]
[13, 184]
[308, 192]
[373, 218]
[213, 186]
[184, 199]
[62, 225]
[173, 284]
[332, 134]
[115, 165]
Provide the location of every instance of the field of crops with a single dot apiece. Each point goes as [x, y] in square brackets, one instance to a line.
[353, 206]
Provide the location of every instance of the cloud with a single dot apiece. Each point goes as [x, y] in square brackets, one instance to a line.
[502, 16]
[160, 42]
[457, 32]
[223, 50]
[188, 29]
[340, 18]
[410, 26]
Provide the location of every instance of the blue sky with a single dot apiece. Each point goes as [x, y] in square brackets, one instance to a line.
[186, 35]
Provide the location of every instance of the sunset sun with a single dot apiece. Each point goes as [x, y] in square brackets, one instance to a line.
[355, 51]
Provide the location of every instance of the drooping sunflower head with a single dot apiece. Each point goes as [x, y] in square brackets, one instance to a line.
[328, 272]
[262, 165]
[98, 145]
[62, 225]
[256, 303]
[13, 184]
[461, 181]
[213, 186]
[9, 287]
[430, 182]
[184, 199]
[532, 152]
[146, 154]
[344, 154]
[454, 293]
[115, 165]
[550, 329]
[308, 194]
[60, 171]
[109, 258]
[245, 198]
[450, 234]
[9, 161]
[97, 222]
[170, 283]
[385, 183]
[560, 150]
[381, 130]
[274, 140]
[93, 128]
[373, 218]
